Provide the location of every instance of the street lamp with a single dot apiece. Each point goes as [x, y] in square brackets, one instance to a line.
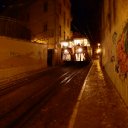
[79, 50]
[66, 51]
[98, 51]
[98, 44]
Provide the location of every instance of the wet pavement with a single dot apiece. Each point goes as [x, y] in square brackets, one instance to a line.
[99, 104]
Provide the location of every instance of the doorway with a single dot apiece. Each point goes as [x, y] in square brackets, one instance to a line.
[50, 57]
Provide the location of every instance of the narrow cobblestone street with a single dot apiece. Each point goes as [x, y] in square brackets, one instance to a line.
[99, 105]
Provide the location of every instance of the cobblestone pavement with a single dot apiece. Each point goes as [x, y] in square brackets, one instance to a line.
[99, 105]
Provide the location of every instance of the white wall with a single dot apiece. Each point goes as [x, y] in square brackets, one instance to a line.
[18, 57]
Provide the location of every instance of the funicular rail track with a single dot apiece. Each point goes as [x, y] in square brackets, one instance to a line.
[18, 114]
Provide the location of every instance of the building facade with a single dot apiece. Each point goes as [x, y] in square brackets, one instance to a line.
[50, 23]
[18, 55]
[114, 33]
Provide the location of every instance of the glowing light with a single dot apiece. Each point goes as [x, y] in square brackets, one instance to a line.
[82, 42]
[64, 44]
[39, 41]
[71, 44]
[85, 42]
[66, 51]
[76, 42]
[98, 51]
[98, 44]
[88, 44]
[79, 50]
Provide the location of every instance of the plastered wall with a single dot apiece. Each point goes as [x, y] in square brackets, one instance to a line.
[115, 44]
[18, 57]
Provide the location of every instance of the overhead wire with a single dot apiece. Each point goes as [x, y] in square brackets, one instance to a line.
[82, 31]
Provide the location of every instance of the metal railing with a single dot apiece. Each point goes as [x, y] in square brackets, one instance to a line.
[14, 29]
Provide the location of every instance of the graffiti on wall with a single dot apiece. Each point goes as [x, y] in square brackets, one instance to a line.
[122, 52]
[114, 37]
[111, 53]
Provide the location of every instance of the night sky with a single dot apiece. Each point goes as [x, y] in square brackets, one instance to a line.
[86, 18]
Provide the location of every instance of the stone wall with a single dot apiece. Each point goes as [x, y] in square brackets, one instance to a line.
[18, 57]
[115, 44]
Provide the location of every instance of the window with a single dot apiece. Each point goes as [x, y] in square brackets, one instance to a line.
[45, 28]
[60, 8]
[64, 2]
[45, 6]
[68, 6]
[64, 35]
[68, 24]
[60, 30]
[64, 18]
